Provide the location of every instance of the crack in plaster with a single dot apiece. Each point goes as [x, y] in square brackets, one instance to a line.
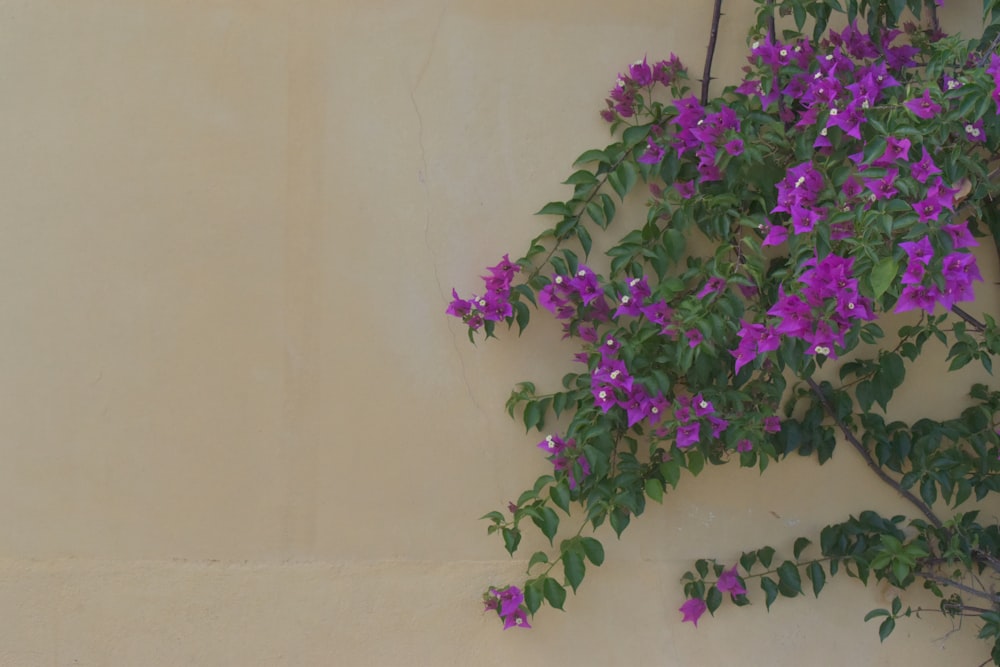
[422, 176]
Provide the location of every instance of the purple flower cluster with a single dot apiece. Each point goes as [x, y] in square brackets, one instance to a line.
[494, 305]
[613, 386]
[958, 270]
[556, 447]
[694, 608]
[851, 77]
[825, 306]
[993, 69]
[509, 603]
[623, 98]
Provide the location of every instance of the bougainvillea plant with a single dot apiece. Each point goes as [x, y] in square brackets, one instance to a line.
[850, 175]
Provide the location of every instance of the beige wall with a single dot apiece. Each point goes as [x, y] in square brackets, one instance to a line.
[237, 427]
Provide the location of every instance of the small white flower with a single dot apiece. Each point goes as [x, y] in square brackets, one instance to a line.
[703, 404]
[559, 280]
[822, 349]
[655, 410]
[864, 104]
[823, 132]
[755, 46]
[783, 53]
[625, 300]
[833, 112]
[581, 273]
[802, 179]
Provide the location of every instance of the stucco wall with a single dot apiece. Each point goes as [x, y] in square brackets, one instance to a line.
[237, 427]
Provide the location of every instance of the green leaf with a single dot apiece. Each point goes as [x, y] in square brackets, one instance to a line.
[574, 568]
[511, 538]
[596, 214]
[695, 462]
[635, 135]
[616, 183]
[548, 522]
[884, 630]
[876, 613]
[538, 557]
[817, 576]
[593, 549]
[533, 595]
[928, 490]
[882, 276]
[713, 599]
[654, 489]
[583, 236]
[593, 155]
[555, 593]
[789, 580]
[579, 177]
[671, 471]
[560, 495]
[800, 546]
[533, 415]
[555, 208]
[764, 555]
[770, 590]
[619, 520]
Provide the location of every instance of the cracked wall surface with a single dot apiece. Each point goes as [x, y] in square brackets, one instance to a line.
[238, 428]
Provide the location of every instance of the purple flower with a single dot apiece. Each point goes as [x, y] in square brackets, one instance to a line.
[458, 307]
[729, 582]
[685, 189]
[509, 603]
[775, 235]
[586, 284]
[883, 188]
[960, 236]
[518, 619]
[923, 107]
[918, 251]
[692, 610]
[894, 150]
[694, 337]
[924, 168]
[772, 424]
[975, 131]
[713, 285]
[927, 209]
[687, 435]
[917, 297]
[505, 270]
[654, 153]
[641, 73]
[734, 147]
[744, 445]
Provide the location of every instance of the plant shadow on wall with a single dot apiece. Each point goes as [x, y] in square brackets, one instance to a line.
[846, 178]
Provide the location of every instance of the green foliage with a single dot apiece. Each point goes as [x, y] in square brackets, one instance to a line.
[740, 320]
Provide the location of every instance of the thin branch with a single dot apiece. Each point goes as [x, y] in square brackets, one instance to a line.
[972, 321]
[706, 77]
[986, 558]
[866, 455]
[954, 584]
